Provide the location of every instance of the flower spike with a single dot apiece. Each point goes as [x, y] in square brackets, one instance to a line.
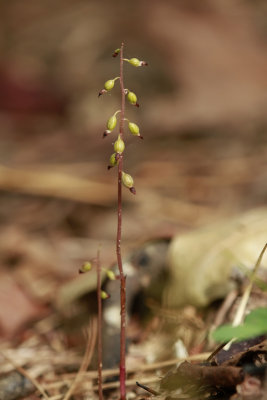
[117, 159]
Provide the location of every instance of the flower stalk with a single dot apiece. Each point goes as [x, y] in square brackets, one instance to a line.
[116, 159]
[99, 326]
[118, 243]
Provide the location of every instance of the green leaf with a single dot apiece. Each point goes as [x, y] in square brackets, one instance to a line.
[255, 324]
[257, 316]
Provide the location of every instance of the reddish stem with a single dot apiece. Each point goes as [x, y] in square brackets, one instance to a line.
[99, 326]
[118, 244]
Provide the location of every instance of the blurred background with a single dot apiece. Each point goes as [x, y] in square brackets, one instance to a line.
[202, 114]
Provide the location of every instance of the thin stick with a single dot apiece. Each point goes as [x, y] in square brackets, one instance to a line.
[99, 326]
[149, 390]
[129, 382]
[244, 300]
[118, 243]
[238, 319]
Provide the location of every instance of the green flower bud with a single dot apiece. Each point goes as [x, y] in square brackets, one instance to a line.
[116, 52]
[127, 180]
[109, 84]
[131, 97]
[104, 295]
[135, 62]
[110, 275]
[119, 145]
[87, 266]
[112, 161]
[112, 122]
[134, 129]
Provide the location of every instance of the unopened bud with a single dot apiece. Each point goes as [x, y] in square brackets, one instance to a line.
[109, 84]
[116, 52]
[112, 122]
[128, 182]
[119, 145]
[137, 63]
[110, 275]
[104, 295]
[131, 97]
[134, 129]
[87, 266]
[112, 161]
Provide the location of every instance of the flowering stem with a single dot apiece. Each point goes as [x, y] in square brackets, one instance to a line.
[99, 326]
[118, 243]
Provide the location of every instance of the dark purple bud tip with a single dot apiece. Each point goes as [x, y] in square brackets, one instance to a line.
[141, 137]
[132, 190]
[144, 64]
[81, 271]
[116, 52]
[105, 134]
[101, 92]
[110, 166]
[137, 105]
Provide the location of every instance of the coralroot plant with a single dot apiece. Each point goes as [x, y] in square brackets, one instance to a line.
[116, 160]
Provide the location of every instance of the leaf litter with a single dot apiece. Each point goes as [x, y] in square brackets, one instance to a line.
[206, 171]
